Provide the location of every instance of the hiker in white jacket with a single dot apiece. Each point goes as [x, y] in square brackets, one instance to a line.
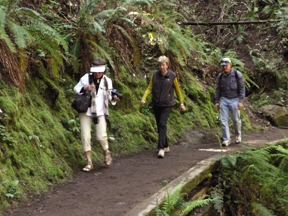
[100, 87]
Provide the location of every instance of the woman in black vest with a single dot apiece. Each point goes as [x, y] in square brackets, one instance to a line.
[162, 85]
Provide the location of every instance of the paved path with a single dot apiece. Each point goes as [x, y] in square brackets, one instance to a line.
[131, 179]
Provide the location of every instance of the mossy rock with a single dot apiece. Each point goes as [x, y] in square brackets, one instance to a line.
[277, 115]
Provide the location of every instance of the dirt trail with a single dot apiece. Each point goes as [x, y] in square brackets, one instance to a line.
[115, 190]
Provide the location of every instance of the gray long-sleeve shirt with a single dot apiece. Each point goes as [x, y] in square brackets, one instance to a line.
[229, 86]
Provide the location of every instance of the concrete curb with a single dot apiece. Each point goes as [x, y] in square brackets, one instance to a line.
[152, 202]
[145, 207]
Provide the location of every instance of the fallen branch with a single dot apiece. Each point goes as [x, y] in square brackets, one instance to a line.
[231, 23]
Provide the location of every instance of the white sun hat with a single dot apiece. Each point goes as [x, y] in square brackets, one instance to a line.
[98, 69]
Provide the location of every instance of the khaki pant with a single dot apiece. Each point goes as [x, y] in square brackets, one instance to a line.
[101, 134]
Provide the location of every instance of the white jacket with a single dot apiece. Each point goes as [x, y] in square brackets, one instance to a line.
[100, 107]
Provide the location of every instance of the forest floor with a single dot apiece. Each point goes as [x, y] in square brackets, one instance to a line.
[113, 191]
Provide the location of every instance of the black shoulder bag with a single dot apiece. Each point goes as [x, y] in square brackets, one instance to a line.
[82, 101]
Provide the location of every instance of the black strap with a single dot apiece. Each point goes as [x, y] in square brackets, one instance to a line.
[105, 83]
[90, 78]
[107, 116]
[237, 80]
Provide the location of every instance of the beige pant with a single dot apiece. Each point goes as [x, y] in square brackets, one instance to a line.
[101, 134]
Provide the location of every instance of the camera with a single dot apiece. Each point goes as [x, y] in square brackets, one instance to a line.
[114, 92]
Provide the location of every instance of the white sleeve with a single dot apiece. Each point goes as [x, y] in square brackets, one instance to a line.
[82, 82]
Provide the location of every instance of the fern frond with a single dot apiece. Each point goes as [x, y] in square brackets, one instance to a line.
[30, 13]
[49, 45]
[97, 27]
[261, 210]
[172, 198]
[54, 67]
[218, 200]
[18, 34]
[102, 15]
[48, 31]
[4, 37]
[229, 161]
[75, 47]
[3, 10]
[189, 206]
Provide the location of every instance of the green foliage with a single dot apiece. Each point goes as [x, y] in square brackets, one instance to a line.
[28, 29]
[12, 189]
[6, 136]
[259, 209]
[258, 174]
[175, 204]
[218, 201]
[74, 126]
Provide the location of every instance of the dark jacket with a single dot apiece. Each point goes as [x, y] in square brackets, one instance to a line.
[229, 87]
[163, 89]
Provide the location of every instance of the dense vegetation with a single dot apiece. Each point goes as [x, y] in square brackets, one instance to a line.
[45, 47]
[253, 182]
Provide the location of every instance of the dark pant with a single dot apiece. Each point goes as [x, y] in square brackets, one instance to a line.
[161, 115]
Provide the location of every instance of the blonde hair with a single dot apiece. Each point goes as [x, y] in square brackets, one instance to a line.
[163, 59]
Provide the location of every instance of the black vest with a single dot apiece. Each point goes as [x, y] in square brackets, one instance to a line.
[163, 89]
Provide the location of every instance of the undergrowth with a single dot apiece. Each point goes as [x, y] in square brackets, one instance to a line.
[254, 182]
[175, 204]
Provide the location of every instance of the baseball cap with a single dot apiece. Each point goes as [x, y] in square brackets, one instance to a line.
[98, 66]
[225, 61]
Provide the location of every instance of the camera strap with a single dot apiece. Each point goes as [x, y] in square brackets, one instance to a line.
[105, 83]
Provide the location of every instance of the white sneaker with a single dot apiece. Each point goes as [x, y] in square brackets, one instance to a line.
[161, 153]
[238, 139]
[166, 150]
[226, 142]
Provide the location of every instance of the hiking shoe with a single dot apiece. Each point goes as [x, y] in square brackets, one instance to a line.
[166, 150]
[226, 143]
[238, 139]
[161, 153]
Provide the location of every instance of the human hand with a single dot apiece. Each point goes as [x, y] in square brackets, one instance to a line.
[143, 102]
[115, 98]
[217, 106]
[89, 87]
[182, 107]
[240, 105]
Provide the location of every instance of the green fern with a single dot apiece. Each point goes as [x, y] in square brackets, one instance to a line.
[259, 209]
[4, 37]
[217, 201]
[189, 206]
[174, 203]
[229, 161]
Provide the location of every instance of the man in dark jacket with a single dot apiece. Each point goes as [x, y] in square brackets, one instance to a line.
[230, 89]
[162, 85]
